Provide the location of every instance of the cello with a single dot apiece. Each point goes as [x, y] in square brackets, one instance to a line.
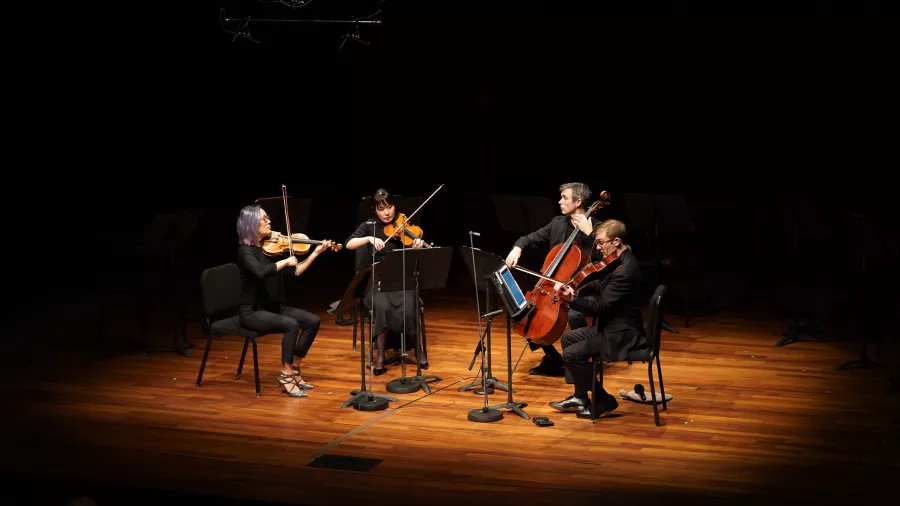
[545, 324]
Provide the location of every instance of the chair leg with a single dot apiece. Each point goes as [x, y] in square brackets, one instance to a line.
[662, 388]
[243, 355]
[255, 369]
[594, 390]
[205, 354]
[653, 392]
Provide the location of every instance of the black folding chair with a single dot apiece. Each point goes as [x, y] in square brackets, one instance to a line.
[654, 331]
[221, 290]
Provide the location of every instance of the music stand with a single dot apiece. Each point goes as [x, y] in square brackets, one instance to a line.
[486, 263]
[871, 247]
[644, 212]
[425, 268]
[516, 308]
[363, 399]
[164, 236]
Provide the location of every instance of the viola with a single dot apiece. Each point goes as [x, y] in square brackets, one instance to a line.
[408, 232]
[546, 323]
[277, 244]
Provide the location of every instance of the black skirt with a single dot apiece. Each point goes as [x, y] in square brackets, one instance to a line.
[389, 314]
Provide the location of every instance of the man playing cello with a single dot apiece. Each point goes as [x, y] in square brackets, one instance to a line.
[573, 198]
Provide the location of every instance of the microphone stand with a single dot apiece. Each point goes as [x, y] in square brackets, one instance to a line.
[487, 383]
[404, 385]
[366, 400]
[485, 414]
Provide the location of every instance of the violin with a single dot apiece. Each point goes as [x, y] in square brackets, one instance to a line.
[277, 244]
[408, 232]
[547, 322]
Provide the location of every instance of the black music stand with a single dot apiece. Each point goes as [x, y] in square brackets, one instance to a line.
[486, 263]
[806, 323]
[871, 246]
[363, 399]
[164, 237]
[426, 268]
[511, 312]
[644, 213]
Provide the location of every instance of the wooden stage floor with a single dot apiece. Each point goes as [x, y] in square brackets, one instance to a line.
[748, 423]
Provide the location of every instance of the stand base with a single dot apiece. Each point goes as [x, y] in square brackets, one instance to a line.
[402, 386]
[363, 400]
[863, 362]
[792, 337]
[480, 391]
[485, 415]
[491, 384]
[516, 408]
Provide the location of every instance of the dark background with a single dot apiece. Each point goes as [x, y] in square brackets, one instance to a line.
[780, 133]
[771, 129]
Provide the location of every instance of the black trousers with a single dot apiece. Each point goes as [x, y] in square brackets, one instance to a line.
[578, 347]
[576, 321]
[298, 326]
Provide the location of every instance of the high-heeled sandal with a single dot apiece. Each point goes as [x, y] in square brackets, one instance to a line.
[288, 379]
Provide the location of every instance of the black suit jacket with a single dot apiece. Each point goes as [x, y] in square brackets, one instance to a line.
[615, 302]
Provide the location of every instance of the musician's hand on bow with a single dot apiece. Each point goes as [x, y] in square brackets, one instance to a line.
[581, 223]
[513, 258]
[291, 261]
[378, 243]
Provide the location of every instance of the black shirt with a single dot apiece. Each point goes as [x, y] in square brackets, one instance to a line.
[364, 254]
[260, 279]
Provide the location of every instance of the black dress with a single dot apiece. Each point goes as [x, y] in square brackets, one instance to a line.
[389, 306]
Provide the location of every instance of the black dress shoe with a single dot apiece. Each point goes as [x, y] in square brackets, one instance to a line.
[603, 406]
[378, 372]
[549, 367]
[571, 404]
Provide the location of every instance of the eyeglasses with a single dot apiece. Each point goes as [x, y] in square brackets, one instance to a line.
[601, 243]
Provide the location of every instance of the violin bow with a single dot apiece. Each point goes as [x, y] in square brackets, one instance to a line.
[413, 214]
[287, 219]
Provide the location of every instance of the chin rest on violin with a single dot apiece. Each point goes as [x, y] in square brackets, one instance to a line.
[408, 234]
[277, 244]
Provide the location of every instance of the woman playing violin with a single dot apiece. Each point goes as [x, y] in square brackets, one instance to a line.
[262, 297]
[389, 306]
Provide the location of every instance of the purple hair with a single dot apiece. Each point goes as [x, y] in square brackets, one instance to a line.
[248, 225]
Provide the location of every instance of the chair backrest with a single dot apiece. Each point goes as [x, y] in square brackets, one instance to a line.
[220, 287]
[654, 318]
